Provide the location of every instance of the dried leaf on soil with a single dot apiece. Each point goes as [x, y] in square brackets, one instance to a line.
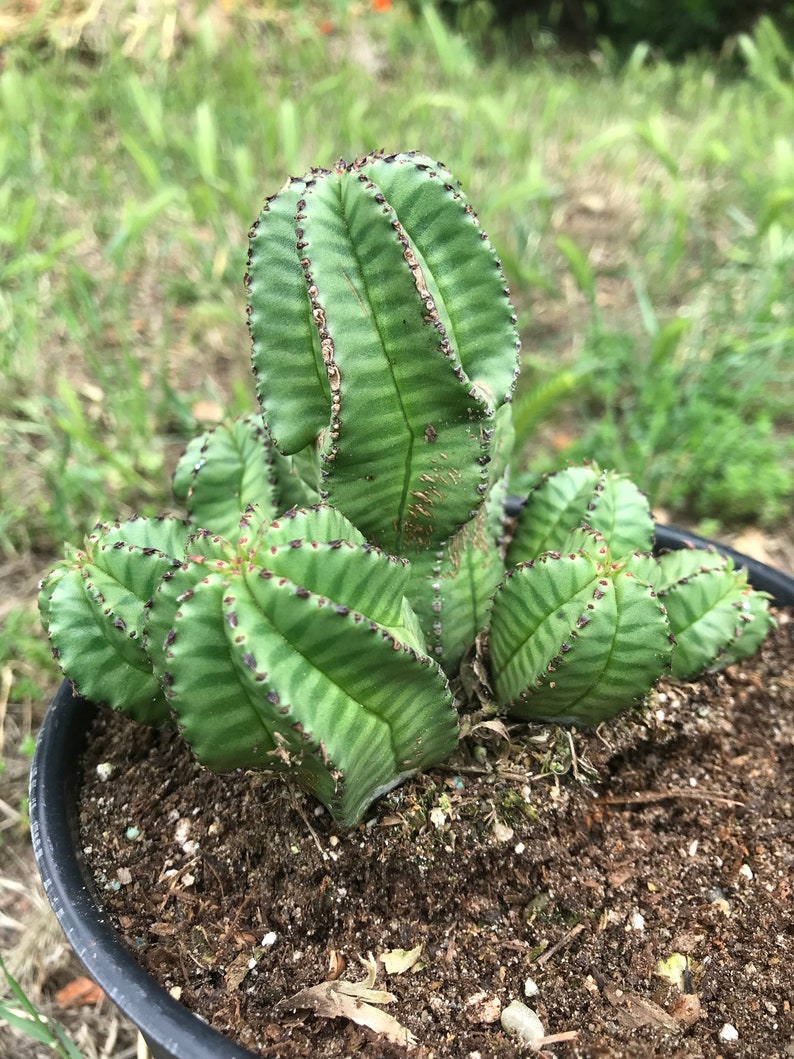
[78, 992]
[637, 1011]
[396, 961]
[354, 1001]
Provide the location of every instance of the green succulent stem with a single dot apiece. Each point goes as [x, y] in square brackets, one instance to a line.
[92, 605]
[576, 637]
[390, 298]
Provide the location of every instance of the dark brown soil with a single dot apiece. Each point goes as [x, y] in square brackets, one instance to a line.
[668, 833]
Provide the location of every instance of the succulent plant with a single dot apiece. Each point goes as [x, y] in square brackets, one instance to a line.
[343, 548]
[385, 354]
[587, 619]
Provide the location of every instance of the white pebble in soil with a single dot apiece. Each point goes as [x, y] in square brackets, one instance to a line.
[522, 1021]
[728, 1033]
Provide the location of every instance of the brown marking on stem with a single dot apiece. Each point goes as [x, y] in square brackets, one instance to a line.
[356, 295]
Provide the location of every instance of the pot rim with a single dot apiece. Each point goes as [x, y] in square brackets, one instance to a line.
[171, 1030]
[762, 576]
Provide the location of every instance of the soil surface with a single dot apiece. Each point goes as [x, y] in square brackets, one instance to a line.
[633, 886]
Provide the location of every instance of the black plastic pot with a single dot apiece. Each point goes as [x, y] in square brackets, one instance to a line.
[170, 1030]
[762, 577]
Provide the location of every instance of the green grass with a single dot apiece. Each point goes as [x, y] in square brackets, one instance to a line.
[646, 212]
[22, 1015]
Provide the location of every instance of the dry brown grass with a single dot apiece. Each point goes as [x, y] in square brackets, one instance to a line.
[66, 23]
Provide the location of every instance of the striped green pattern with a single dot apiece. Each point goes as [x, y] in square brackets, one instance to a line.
[605, 501]
[300, 653]
[707, 611]
[383, 336]
[230, 467]
[575, 640]
[93, 609]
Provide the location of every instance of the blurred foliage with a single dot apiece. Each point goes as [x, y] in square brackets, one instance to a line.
[674, 29]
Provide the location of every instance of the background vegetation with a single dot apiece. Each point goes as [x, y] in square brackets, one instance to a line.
[644, 210]
[644, 213]
[675, 28]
